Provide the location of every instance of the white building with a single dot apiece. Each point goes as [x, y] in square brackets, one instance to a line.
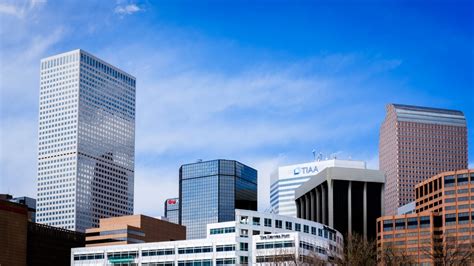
[288, 178]
[254, 238]
[86, 141]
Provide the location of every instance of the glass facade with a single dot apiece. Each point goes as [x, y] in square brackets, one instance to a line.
[86, 141]
[172, 210]
[211, 191]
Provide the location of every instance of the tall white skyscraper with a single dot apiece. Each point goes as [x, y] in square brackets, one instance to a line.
[86, 141]
[288, 178]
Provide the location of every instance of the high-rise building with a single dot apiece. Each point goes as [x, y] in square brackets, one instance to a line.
[415, 144]
[288, 178]
[86, 141]
[172, 210]
[210, 191]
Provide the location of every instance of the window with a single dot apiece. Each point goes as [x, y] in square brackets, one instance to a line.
[288, 226]
[278, 224]
[224, 248]
[255, 232]
[244, 246]
[450, 219]
[244, 219]
[388, 225]
[313, 230]
[400, 224]
[298, 227]
[244, 233]
[268, 222]
[320, 232]
[256, 220]
[306, 229]
[463, 217]
[449, 181]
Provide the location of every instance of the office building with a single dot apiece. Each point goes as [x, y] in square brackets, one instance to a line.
[441, 229]
[415, 144]
[172, 210]
[133, 229]
[27, 201]
[27, 243]
[346, 199]
[251, 238]
[210, 191]
[86, 141]
[290, 177]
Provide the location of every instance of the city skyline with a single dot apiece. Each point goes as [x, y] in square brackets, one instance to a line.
[281, 95]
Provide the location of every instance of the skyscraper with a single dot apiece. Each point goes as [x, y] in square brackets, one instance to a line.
[86, 141]
[210, 191]
[415, 144]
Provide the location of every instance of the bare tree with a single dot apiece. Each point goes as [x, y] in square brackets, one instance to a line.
[359, 251]
[391, 256]
[450, 252]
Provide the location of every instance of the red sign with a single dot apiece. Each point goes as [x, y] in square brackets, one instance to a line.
[172, 201]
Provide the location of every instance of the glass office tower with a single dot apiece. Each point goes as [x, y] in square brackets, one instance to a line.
[172, 210]
[86, 141]
[210, 192]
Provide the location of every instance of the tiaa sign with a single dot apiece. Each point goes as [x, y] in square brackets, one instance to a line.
[305, 170]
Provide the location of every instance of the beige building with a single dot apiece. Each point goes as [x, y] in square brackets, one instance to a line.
[133, 229]
[441, 228]
[415, 144]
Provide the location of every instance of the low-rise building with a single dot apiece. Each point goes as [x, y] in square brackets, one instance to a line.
[27, 243]
[253, 237]
[133, 229]
[441, 228]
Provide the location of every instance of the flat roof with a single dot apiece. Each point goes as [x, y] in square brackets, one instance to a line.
[340, 173]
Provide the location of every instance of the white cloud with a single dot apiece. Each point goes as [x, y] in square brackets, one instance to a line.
[19, 8]
[127, 9]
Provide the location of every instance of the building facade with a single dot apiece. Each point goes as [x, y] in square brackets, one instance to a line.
[30, 203]
[441, 228]
[172, 210]
[86, 141]
[347, 199]
[417, 143]
[133, 229]
[253, 238]
[210, 191]
[23, 242]
[290, 177]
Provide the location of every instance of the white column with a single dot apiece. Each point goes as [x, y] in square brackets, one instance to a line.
[330, 204]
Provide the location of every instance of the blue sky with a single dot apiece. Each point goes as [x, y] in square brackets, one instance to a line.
[263, 82]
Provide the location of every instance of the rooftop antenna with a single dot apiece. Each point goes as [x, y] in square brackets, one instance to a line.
[320, 156]
[314, 154]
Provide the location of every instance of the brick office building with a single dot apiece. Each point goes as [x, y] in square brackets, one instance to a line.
[133, 229]
[28, 243]
[417, 143]
[441, 228]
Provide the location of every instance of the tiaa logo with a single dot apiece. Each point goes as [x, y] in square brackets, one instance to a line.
[297, 171]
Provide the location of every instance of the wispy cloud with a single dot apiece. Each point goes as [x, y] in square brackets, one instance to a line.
[127, 9]
[19, 9]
